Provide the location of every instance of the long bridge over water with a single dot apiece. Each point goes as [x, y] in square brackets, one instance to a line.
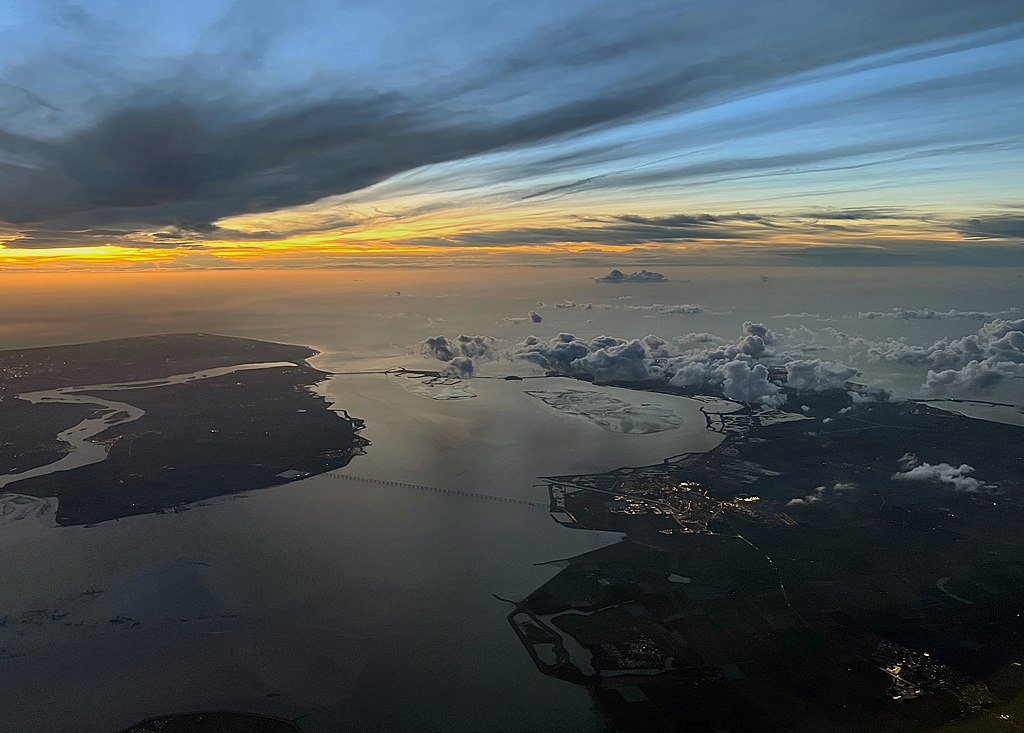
[438, 490]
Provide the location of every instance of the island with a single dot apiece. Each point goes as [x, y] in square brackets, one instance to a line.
[155, 423]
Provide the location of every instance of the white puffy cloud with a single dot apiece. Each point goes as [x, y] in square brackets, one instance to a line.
[999, 328]
[702, 337]
[999, 340]
[695, 373]
[816, 375]
[868, 394]
[735, 368]
[973, 363]
[813, 498]
[656, 346]
[626, 362]
[959, 477]
[558, 353]
[975, 376]
[760, 330]
[822, 493]
[747, 383]
[747, 370]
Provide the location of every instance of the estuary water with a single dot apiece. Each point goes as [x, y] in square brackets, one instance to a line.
[353, 606]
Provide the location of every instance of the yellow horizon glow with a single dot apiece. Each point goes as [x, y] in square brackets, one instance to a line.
[381, 235]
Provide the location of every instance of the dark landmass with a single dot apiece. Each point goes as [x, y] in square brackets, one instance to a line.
[141, 357]
[215, 722]
[870, 603]
[197, 440]
[28, 436]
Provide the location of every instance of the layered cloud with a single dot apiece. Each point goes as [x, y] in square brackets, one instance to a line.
[231, 126]
[928, 314]
[655, 309]
[1002, 226]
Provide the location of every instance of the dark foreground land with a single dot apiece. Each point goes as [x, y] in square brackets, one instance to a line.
[197, 440]
[215, 723]
[872, 603]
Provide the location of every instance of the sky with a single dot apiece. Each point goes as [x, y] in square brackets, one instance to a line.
[316, 133]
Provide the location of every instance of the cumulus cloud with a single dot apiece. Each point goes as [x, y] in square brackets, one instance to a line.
[959, 477]
[747, 383]
[626, 362]
[863, 395]
[460, 366]
[975, 376]
[816, 375]
[461, 348]
[759, 367]
[822, 493]
[644, 276]
[760, 330]
[998, 340]
[437, 347]
[558, 353]
[973, 363]
[732, 369]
